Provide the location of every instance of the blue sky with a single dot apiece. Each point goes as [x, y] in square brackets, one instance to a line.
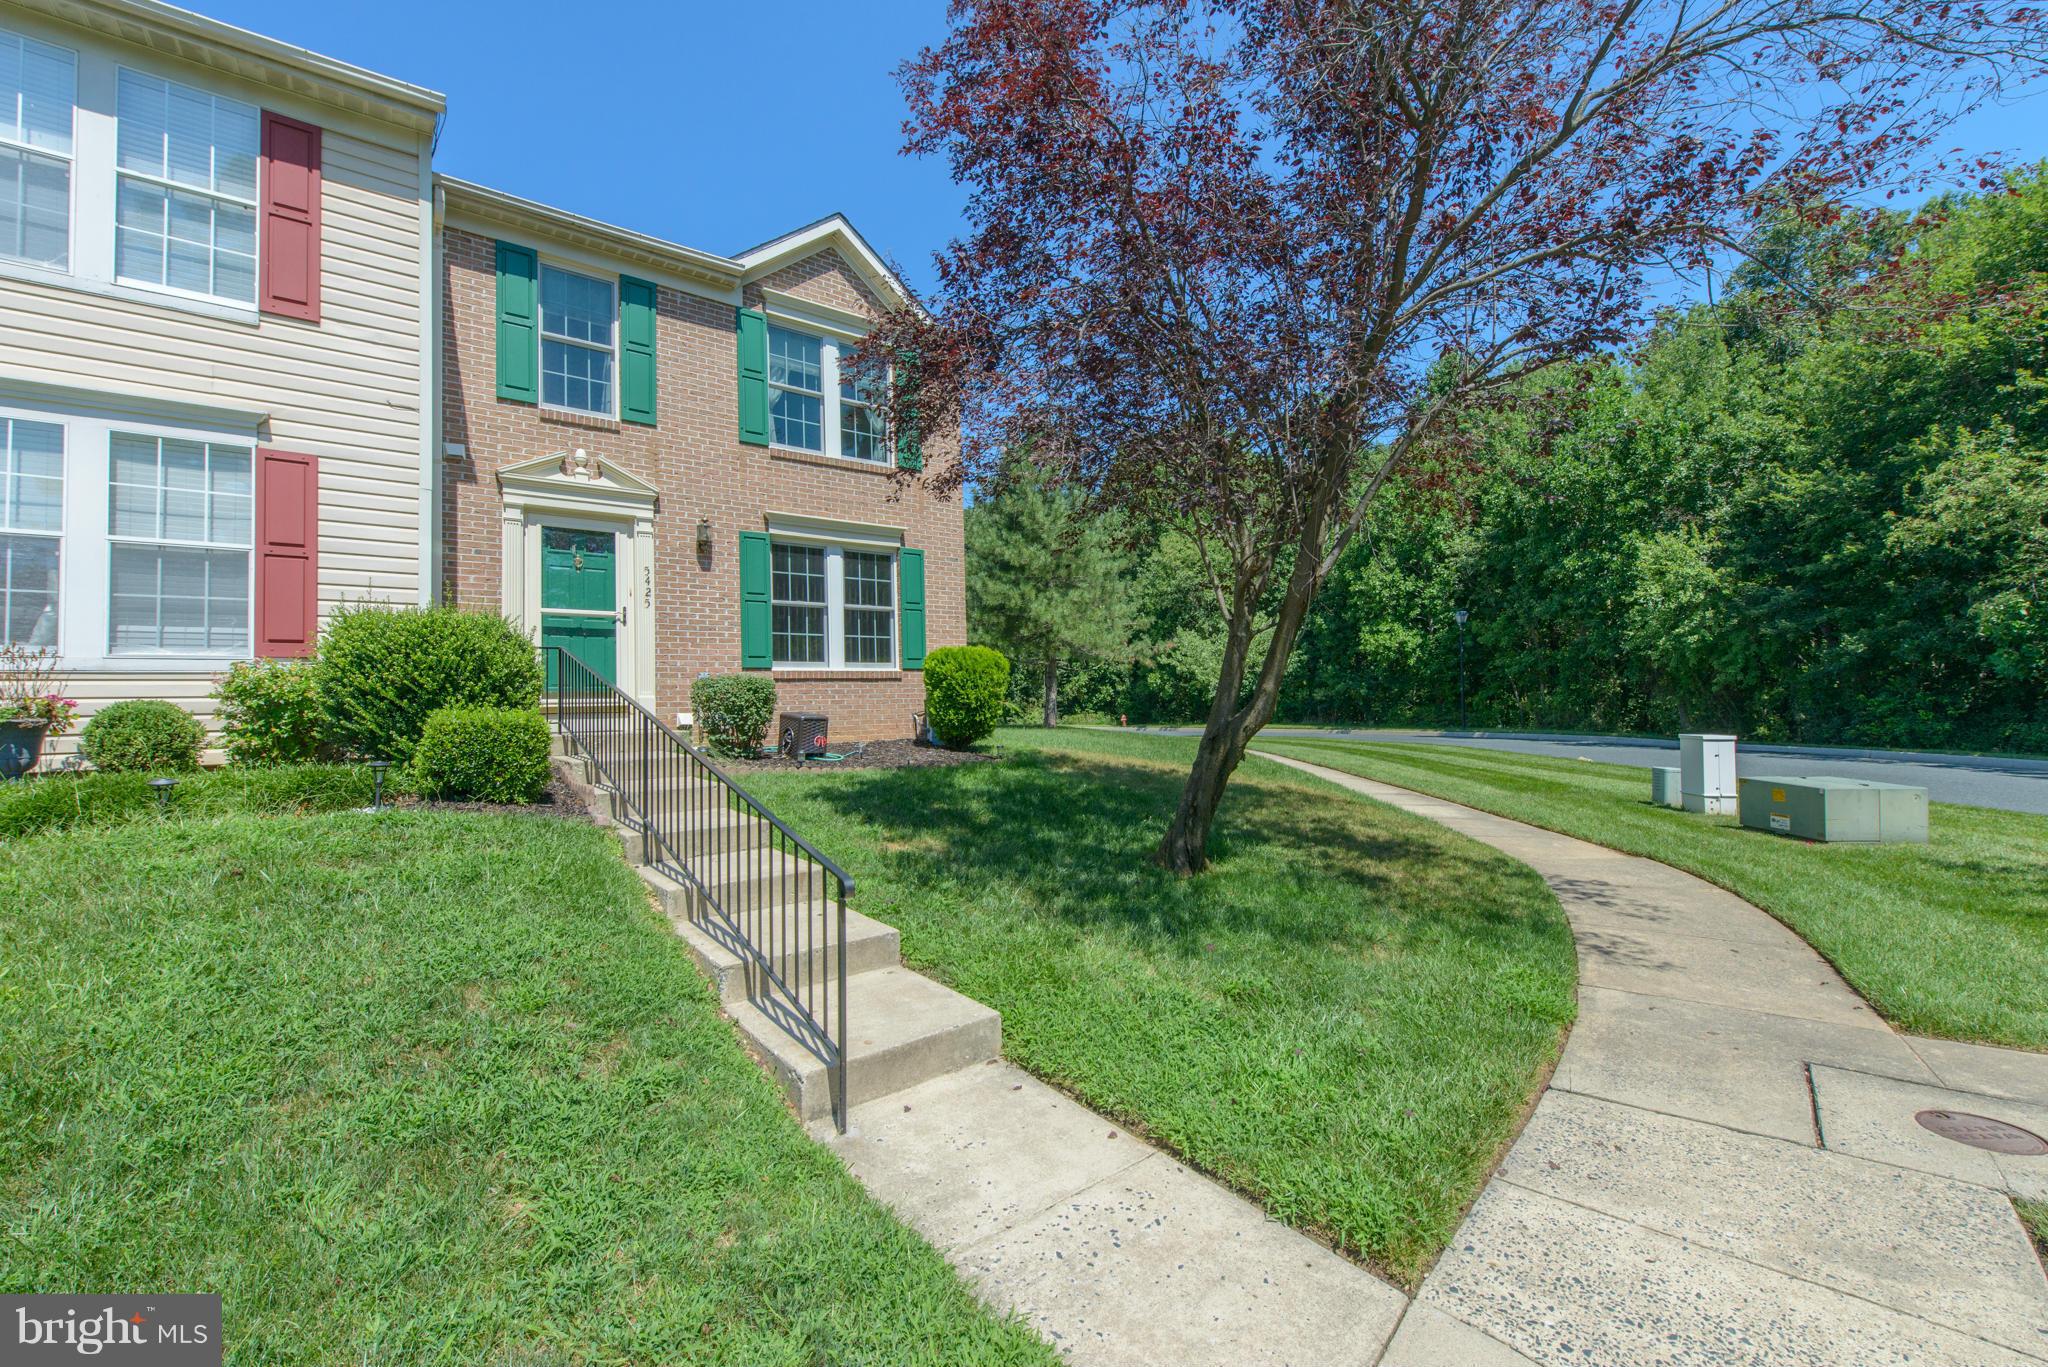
[717, 126]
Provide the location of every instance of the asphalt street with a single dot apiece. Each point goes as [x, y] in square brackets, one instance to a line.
[2016, 785]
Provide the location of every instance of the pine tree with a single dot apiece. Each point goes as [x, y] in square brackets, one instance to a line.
[1045, 582]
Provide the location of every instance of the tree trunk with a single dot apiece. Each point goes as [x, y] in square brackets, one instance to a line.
[1230, 728]
[1052, 693]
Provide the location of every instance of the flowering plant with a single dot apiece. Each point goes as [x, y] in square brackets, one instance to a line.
[31, 689]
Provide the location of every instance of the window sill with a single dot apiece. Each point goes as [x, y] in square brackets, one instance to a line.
[855, 674]
[140, 294]
[569, 417]
[797, 455]
[149, 664]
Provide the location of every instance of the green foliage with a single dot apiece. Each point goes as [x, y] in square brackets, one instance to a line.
[1045, 582]
[143, 735]
[735, 712]
[482, 754]
[383, 671]
[1814, 511]
[965, 693]
[270, 711]
[63, 801]
[452, 1056]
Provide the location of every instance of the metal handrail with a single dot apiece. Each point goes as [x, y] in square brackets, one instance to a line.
[759, 888]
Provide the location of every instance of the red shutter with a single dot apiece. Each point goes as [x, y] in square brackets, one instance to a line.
[287, 552]
[291, 218]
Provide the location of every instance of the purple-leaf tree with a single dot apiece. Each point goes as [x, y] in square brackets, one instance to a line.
[1230, 264]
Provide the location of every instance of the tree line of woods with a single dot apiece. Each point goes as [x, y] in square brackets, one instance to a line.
[1815, 509]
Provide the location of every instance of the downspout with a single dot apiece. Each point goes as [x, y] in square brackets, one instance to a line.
[430, 371]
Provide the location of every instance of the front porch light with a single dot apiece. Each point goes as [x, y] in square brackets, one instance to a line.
[704, 536]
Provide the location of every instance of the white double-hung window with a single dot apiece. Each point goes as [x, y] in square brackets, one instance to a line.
[796, 389]
[185, 210]
[179, 522]
[31, 524]
[834, 607]
[38, 89]
[578, 341]
[803, 370]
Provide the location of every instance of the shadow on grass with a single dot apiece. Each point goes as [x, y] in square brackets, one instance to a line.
[1074, 837]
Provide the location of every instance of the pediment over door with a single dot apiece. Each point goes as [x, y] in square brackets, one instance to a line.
[578, 477]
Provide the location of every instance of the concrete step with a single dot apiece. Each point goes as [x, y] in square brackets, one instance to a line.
[746, 881]
[680, 813]
[905, 1029]
[810, 935]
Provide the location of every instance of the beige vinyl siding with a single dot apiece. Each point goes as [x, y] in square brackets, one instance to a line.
[346, 390]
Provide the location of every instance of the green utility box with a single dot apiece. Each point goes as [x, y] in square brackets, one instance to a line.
[1835, 809]
[1664, 789]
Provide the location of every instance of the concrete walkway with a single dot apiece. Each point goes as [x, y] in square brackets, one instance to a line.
[1727, 1167]
[1119, 1254]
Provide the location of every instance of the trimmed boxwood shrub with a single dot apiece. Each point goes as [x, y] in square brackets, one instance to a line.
[142, 735]
[383, 671]
[965, 691]
[482, 754]
[270, 712]
[735, 711]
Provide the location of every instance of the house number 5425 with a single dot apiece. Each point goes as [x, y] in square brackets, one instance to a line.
[646, 586]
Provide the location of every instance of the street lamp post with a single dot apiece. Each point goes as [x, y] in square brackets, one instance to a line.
[1461, 615]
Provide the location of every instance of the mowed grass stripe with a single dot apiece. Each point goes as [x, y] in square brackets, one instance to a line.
[1948, 938]
[1344, 1017]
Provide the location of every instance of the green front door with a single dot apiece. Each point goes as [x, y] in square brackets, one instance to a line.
[579, 598]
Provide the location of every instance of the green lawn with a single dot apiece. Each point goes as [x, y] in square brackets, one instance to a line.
[422, 1089]
[1948, 938]
[1344, 1017]
[2034, 1215]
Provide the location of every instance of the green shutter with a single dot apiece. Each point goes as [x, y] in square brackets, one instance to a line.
[753, 333]
[910, 590]
[757, 646]
[518, 323]
[909, 441]
[636, 350]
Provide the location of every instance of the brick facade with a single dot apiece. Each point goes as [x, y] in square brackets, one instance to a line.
[695, 459]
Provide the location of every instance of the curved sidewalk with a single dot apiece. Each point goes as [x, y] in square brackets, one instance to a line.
[1726, 1167]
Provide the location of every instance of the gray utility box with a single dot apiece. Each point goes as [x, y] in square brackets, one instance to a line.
[1836, 809]
[1706, 772]
[1664, 790]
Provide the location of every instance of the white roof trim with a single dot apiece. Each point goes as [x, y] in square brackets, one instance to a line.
[836, 232]
[210, 42]
[468, 202]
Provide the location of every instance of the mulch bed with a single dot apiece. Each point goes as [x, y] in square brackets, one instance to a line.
[559, 801]
[873, 754]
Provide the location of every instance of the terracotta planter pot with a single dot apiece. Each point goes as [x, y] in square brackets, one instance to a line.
[21, 745]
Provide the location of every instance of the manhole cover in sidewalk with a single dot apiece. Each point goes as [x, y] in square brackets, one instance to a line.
[1982, 1132]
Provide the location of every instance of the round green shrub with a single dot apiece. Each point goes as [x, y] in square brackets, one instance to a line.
[270, 712]
[734, 710]
[142, 735]
[482, 754]
[965, 692]
[383, 671]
